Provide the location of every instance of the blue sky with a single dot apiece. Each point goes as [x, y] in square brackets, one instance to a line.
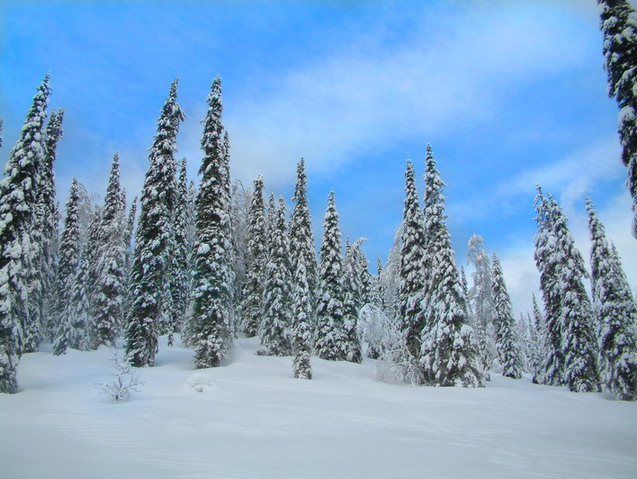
[509, 94]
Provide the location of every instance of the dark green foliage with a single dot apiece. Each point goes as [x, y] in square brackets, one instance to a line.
[212, 292]
[616, 314]
[152, 304]
[18, 196]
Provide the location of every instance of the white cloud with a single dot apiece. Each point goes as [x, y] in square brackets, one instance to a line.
[368, 94]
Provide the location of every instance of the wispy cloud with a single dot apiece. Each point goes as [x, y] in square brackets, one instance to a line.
[367, 94]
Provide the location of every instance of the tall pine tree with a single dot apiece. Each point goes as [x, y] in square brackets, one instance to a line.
[252, 305]
[151, 307]
[17, 197]
[330, 336]
[212, 292]
[47, 216]
[619, 26]
[111, 281]
[448, 350]
[616, 313]
[411, 272]
[277, 301]
[506, 340]
[180, 277]
[302, 246]
[572, 351]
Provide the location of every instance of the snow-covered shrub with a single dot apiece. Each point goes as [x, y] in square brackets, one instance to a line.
[200, 382]
[125, 382]
[372, 329]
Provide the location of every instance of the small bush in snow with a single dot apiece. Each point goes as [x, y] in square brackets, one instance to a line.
[125, 380]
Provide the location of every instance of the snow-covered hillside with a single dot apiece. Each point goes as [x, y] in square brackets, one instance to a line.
[251, 419]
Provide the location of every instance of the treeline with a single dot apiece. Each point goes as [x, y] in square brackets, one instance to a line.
[214, 261]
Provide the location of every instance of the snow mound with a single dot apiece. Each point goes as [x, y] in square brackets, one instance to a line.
[200, 382]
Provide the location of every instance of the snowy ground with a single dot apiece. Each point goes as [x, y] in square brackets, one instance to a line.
[254, 420]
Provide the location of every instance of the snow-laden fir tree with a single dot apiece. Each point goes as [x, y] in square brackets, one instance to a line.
[47, 217]
[37, 273]
[330, 335]
[252, 304]
[302, 246]
[277, 300]
[448, 351]
[75, 326]
[572, 349]
[212, 290]
[616, 314]
[69, 259]
[180, 275]
[506, 339]
[130, 230]
[480, 298]
[378, 282]
[351, 304]
[154, 241]
[17, 197]
[411, 276]
[536, 335]
[619, 26]
[301, 329]
[551, 370]
[111, 281]
[241, 199]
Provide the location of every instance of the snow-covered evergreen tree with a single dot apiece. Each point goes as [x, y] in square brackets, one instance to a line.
[212, 292]
[152, 305]
[301, 330]
[69, 257]
[180, 275]
[506, 338]
[252, 305]
[302, 246]
[619, 26]
[330, 336]
[351, 304]
[111, 281]
[277, 301]
[481, 302]
[448, 351]
[47, 217]
[412, 272]
[616, 314]
[572, 350]
[75, 323]
[17, 197]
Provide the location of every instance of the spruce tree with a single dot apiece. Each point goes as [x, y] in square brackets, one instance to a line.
[277, 301]
[302, 246]
[351, 305]
[47, 216]
[180, 281]
[330, 336]
[212, 273]
[448, 352]
[572, 351]
[111, 281]
[253, 288]
[301, 330]
[411, 271]
[481, 302]
[537, 336]
[619, 26]
[69, 257]
[150, 275]
[506, 339]
[17, 197]
[616, 313]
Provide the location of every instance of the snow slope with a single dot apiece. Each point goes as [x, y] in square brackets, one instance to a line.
[251, 419]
